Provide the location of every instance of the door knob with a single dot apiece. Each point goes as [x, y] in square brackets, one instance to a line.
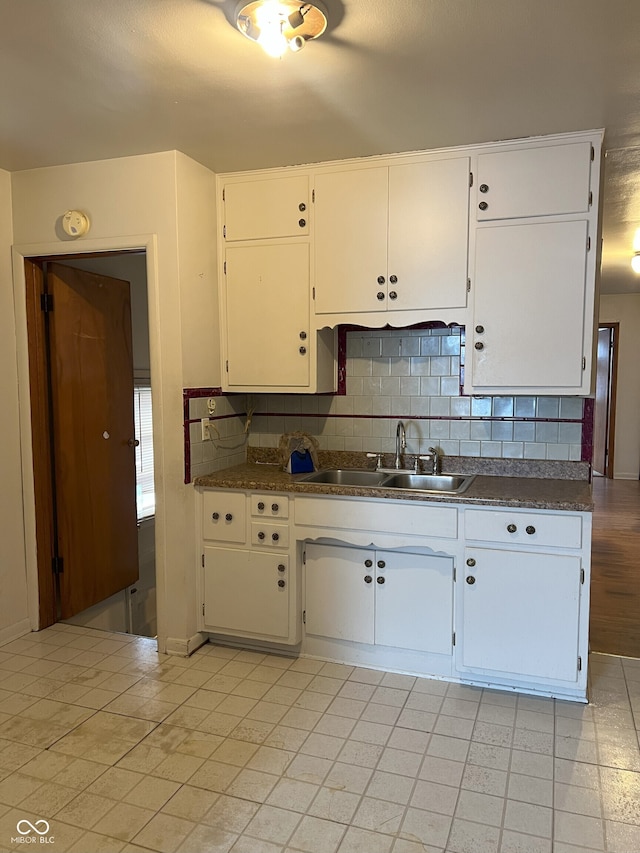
[133, 442]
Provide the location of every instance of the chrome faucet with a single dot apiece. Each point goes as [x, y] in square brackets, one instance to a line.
[435, 457]
[401, 444]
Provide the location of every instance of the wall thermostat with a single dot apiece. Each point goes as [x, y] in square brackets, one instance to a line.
[75, 223]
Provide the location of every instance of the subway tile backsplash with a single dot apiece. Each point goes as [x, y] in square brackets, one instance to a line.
[414, 376]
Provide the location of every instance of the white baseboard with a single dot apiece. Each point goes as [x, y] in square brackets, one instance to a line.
[184, 648]
[12, 632]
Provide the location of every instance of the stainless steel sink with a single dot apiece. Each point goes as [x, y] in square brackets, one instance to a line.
[346, 477]
[451, 483]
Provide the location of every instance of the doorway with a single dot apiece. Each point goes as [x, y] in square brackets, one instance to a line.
[605, 400]
[83, 359]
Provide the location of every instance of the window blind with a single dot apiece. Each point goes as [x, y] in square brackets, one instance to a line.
[145, 491]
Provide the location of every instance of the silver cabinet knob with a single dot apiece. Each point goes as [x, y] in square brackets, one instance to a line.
[511, 528]
[368, 578]
[282, 583]
[281, 567]
[471, 562]
[479, 345]
[470, 580]
[530, 529]
[380, 579]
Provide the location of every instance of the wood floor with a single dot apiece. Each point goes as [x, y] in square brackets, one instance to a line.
[615, 583]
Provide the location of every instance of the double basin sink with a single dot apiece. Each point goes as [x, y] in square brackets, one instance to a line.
[453, 484]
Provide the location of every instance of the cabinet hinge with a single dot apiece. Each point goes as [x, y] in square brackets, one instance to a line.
[588, 244]
[224, 267]
[304, 617]
[224, 231]
[470, 179]
[579, 664]
[468, 285]
[203, 608]
[304, 558]
[581, 575]
[454, 574]
[593, 153]
[223, 192]
[453, 639]
[57, 565]
[313, 196]
[203, 561]
[46, 302]
[226, 365]
[313, 293]
[584, 362]
[590, 198]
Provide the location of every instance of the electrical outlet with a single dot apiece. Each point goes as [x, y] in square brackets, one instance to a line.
[211, 405]
[205, 424]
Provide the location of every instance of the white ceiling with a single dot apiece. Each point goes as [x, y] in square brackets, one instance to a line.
[88, 79]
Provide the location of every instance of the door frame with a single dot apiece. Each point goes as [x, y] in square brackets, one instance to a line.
[613, 383]
[38, 569]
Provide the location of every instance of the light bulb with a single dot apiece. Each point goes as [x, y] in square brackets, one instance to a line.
[635, 263]
[270, 19]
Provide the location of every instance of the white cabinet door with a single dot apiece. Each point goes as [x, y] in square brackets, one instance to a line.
[520, 614]
[339, 592]
[428, 234]
[266, 209]
[351, 240]
[267, 311]
[224, 516]
[536, 181]
[246, 592]
[392, 239]
[529, 308]
[414, 601]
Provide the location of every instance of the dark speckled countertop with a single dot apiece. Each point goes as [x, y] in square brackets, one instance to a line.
[498, 485]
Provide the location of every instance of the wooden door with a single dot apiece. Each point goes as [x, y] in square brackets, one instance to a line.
[91, 370]
[604, 410]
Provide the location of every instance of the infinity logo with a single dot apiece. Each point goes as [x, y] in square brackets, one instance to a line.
[32, 827]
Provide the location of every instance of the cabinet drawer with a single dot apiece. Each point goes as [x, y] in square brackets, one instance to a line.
[270, 535]
[416, 519]
[224, 516]
[531, 528]
[270, 506]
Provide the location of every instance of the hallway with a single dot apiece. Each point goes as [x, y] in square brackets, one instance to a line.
[615, 570]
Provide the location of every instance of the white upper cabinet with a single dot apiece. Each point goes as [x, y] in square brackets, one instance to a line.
[534, 263]
[266, 209]
[392, 238]
[529, 311]
[267, 335]
[541, 181]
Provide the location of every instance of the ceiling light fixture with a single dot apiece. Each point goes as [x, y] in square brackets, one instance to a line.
[280, 24]
[635, 262]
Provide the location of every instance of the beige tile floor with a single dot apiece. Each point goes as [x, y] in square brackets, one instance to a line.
[118, 748]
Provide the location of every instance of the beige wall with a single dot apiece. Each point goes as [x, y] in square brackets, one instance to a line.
[13, 587]
[133, 202]
[625, 309]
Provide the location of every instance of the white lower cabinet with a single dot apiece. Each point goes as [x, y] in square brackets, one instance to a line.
[490, 596]
[246, 592]
[520, 614]
[388, 598]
